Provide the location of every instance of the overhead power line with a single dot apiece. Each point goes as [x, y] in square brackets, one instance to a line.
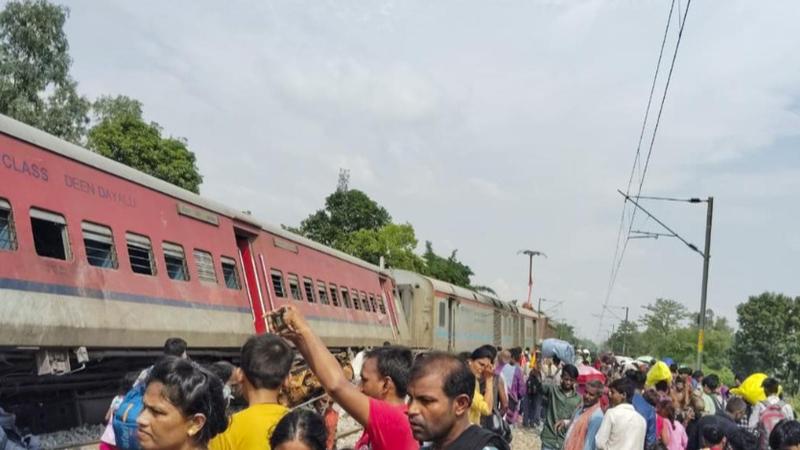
[620, 253]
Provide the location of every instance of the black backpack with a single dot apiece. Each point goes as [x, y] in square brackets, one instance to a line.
[533, 385]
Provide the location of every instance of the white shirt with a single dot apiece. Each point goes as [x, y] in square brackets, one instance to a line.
[759, 408]
[622, 429]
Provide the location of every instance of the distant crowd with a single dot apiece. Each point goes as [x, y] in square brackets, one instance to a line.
[437, 400]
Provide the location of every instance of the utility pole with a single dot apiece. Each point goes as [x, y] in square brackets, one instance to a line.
[704, 294]
[531, 254]
[706, 254]
[625, 334]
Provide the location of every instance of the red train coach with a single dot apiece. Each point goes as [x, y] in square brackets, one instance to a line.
[98, 255]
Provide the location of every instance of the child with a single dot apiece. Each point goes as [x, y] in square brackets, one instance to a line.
[265, 364]
[107, 441]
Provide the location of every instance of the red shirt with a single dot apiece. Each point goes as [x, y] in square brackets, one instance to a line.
[387, 428]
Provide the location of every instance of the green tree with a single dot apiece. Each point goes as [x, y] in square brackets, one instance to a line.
[664, 316]
[626, 340]
[122, 135]
[448, 269]
[768, 337]
[396, 243]
[346, 211]
[35, 84]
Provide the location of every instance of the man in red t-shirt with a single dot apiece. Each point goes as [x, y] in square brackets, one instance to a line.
[379, 403]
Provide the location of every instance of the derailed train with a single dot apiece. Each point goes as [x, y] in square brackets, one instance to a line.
[100, 263]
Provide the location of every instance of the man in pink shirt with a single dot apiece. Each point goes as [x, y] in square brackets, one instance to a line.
[379, 403]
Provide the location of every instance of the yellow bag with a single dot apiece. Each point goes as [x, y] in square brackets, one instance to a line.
[659, 372]
[751, 389]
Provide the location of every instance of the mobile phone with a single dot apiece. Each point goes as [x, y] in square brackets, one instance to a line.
[276, 321]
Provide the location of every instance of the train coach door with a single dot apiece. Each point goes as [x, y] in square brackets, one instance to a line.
[451, 324]
[252, 284]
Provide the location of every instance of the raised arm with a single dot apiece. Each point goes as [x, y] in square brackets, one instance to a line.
[325, 366]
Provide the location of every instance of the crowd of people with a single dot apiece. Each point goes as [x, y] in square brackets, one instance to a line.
[437, 400]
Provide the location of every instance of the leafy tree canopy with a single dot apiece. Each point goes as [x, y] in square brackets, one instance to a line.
[356, 224]
[768, 338]
[35, 84]
[396, 243]
[665, 332]
[448, 269]
[346, 211]
[122, 135]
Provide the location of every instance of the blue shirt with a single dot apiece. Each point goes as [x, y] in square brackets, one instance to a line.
[647, 411]
[594, 424]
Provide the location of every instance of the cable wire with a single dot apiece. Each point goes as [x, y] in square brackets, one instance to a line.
[619, 254]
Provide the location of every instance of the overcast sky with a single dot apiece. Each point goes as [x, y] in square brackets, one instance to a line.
[491, 126]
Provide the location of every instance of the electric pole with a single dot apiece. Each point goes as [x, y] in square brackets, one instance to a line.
[531, 254]
[706, 254]
[704, 294]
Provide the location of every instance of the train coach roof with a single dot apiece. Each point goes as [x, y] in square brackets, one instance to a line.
[402, 276]
[69, 150]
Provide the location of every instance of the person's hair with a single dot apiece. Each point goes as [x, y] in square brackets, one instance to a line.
[697, 374]
[266, 361]
[785, 434]
[457, 377]
[222, 369]
[464, 356]
[570, 370]
[516, 354]
[192, 390]
[623, 386]
[662, 386]
[527, 349]
[771, 386]
[175, 346]
[651, 397]
[126, 383]
[668, 408]
[636, 377]
[685, 370]
[735, 405]
[712, 434]
[484, 351]
[505, 356]
[386, 343]
[711, 381]
[300, 425]
[393, 362]
[556, 360]
[673, 368]
[595, 384]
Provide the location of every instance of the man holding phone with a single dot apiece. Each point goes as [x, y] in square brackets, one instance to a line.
[379, 403]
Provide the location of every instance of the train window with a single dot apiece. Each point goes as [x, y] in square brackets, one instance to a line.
[346, 298]
[442, 315]
[372, 303]
[140, 254]
[294, 287]
[175, 261]
[205, 266]
[99, 243]
[356, 302]
[323, 296]
[364, 301]
[308, 285]
[277, 282]
[334, 295]
[381, 305]
[50, 234]
[8, 238]
[229, 273]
